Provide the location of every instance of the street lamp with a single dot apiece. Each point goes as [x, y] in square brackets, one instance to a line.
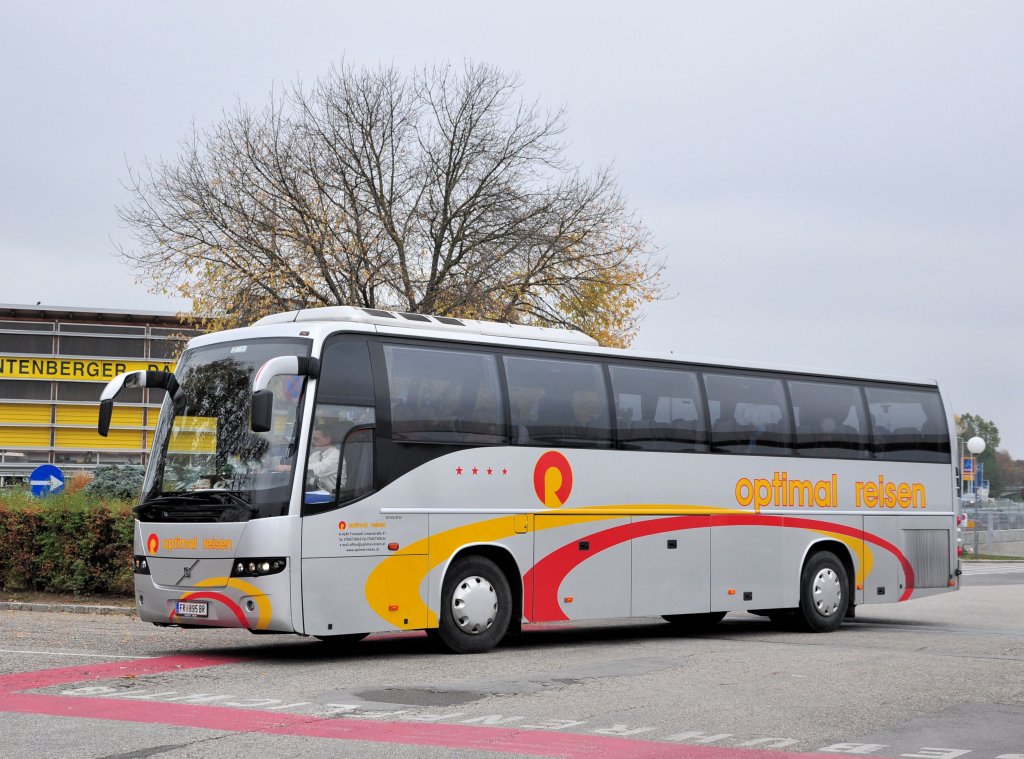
[976, 446]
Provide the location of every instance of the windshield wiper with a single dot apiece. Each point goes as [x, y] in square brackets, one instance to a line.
[189, 501]
[199, 495]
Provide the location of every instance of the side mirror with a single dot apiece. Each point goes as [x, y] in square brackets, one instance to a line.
[261, 416]
[165, 380]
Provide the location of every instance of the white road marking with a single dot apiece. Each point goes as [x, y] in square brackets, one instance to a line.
[357, 711]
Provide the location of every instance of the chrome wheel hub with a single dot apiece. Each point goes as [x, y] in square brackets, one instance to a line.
[474, 605]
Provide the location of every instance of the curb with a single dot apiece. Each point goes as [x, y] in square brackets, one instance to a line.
[125, 611]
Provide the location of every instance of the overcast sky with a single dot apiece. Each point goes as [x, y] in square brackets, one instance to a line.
[832, 187]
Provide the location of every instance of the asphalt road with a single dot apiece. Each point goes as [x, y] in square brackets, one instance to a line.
[936, 677]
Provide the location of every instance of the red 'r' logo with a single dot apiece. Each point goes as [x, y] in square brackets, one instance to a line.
[552, 479]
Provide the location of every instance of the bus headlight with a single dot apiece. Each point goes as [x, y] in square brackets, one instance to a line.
[258, 567]
[140, 565]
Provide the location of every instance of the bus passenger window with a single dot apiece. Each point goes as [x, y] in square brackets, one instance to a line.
[444, 396]
[558, 403]
[748, 414]
[658, 409]
[908, 425]
[829, 420]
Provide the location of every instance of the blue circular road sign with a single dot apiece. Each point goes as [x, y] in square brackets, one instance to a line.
[46, 480]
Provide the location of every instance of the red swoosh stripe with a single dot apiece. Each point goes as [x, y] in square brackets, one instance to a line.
[221, 598]
[541, 583]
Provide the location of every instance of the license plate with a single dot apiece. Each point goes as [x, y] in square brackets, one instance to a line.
[192, 609]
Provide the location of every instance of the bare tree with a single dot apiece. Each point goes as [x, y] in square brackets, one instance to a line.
[442, 192]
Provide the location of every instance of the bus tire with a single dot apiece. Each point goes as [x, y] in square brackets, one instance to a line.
[476, 606]
[824, 593]
[694, 622]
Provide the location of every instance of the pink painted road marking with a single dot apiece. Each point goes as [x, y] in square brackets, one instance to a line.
[453, 736]
[46, 678]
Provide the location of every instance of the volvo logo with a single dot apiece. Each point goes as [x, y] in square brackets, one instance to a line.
[187, 572]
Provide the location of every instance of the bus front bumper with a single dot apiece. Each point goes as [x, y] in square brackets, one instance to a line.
[251, 603]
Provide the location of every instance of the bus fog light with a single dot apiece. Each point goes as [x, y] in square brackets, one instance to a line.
[250, 605]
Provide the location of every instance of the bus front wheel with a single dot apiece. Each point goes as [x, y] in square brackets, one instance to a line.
[476, 606]
[824, 593]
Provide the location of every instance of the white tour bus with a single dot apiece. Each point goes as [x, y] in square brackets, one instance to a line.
[340, 471]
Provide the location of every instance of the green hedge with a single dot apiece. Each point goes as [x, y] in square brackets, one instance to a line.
[76, 543]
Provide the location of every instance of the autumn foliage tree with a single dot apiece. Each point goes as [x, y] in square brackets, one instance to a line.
[439, 192]
[971, 425]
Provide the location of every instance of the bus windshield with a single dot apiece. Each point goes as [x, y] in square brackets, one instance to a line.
[207, 464]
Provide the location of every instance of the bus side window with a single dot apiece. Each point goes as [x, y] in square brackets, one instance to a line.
[444, 396]
[830, 421]
[559, 403]
[908, 425]
[344, 399]
[749, 414]
[345, 376]
[658, 409]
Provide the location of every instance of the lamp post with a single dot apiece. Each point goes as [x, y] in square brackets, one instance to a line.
[976, 446]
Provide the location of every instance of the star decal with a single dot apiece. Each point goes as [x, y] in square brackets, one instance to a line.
[489, 471]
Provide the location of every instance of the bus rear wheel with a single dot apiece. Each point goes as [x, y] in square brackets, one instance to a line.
[824, 593]
[476, 606]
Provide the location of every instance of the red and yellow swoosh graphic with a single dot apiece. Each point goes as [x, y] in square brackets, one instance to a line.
[247, 589]
[541, 583]
[396, 582]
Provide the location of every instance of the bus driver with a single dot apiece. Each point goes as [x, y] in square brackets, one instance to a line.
[322, 465]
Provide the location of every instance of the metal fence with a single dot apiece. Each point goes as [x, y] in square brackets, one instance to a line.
[994, 528]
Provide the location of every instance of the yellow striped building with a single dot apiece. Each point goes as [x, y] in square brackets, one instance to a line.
[54, 362]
